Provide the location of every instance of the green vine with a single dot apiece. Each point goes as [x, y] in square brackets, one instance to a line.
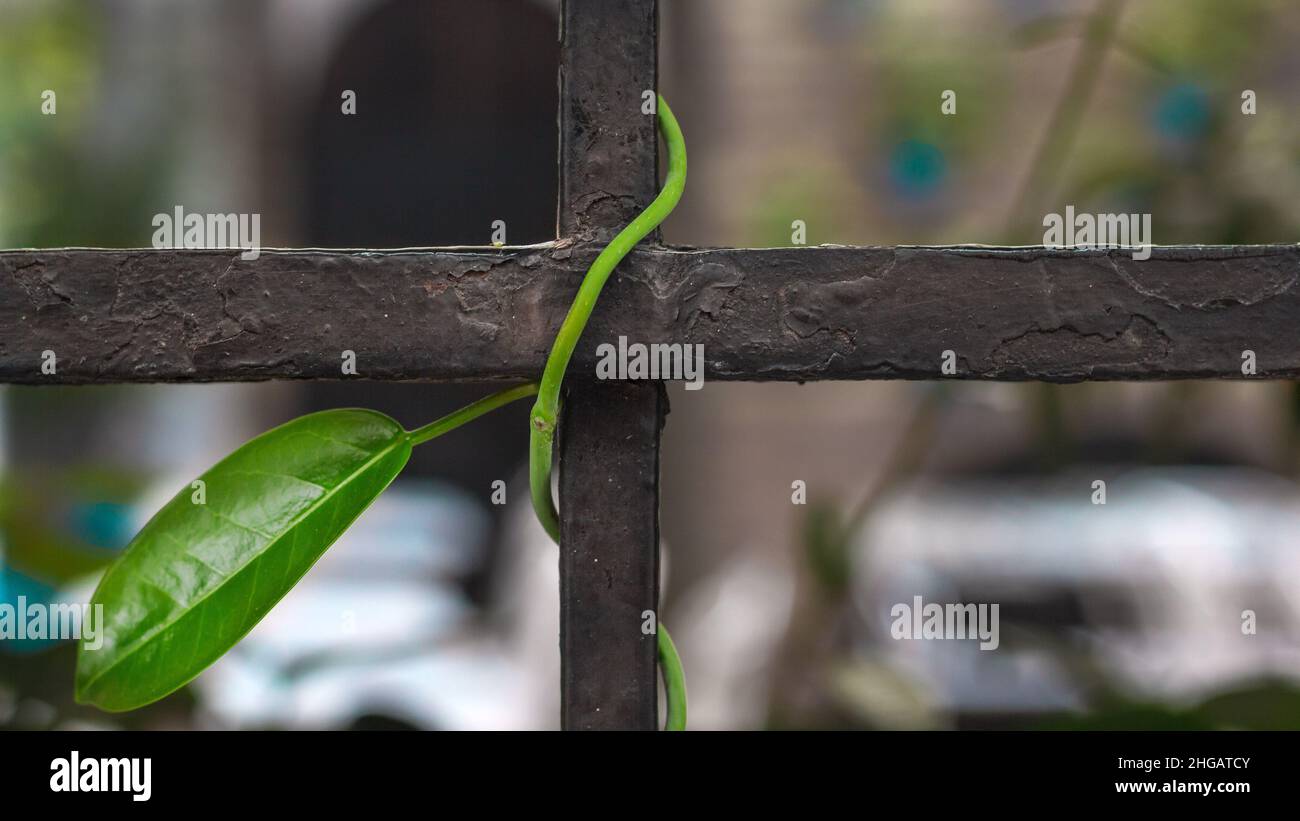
[217, 557]
[547, 408]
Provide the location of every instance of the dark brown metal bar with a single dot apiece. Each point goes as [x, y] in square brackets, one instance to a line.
[608, 145]
[609, 443]
[764, 314]
[609, 557]
[1054, 315]
[173, 316]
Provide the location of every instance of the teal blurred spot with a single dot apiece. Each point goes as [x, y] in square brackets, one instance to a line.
[13, 585]
[1183, 113]
[102, 524]
[917, 169]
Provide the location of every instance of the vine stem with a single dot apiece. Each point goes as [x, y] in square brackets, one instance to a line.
[547, 408]
[469, 413]
[674, 681]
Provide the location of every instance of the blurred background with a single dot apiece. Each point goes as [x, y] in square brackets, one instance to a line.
[439, 609]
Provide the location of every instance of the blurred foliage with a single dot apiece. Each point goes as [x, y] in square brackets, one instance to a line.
[827, 543]
[1264, 705]
[58, 185]
[803, 191]
[1150, 122]
[1163, 134]
[1209, 38]
[913, 62]
[1172, 140]
[1168, 137]
[58, 526]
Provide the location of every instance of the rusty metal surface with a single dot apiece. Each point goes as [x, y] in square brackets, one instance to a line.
[609, 553]
[608, 146]
[609, 433]
[762, 314]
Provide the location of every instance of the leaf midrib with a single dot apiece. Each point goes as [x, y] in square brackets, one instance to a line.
[166, 625]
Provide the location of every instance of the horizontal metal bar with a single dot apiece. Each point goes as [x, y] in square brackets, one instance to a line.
[1026, 313]
[164, 316]
[761, 314]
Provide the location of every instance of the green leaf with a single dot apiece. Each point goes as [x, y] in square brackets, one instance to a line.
[198, 577]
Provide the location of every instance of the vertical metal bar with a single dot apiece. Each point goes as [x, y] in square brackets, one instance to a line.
[608, 146]
[609, 554]
[609, 432]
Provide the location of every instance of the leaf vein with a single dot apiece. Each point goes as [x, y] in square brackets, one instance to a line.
[167, 625]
